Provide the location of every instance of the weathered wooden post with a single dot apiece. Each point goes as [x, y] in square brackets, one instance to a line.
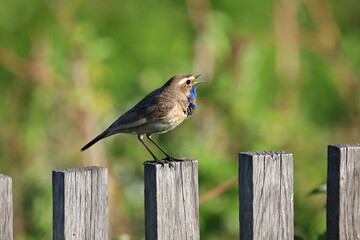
[6, 208]
[171, 201]
[343, 192]
[80, 206]
[266, 195]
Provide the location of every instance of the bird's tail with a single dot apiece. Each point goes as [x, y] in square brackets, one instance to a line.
[95, 140]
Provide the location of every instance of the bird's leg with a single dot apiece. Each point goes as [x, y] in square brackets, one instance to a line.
[140, 137]
[156, 144]
[162, 162]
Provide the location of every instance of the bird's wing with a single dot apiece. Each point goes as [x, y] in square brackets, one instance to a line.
[151, 108]
[118, 125]
[131, 119]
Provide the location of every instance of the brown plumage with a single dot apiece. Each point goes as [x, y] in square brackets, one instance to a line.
[158, 112]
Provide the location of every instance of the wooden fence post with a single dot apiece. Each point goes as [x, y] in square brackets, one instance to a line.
[266, 195]
[343, 192]
[6, 209]
[171, 201]
[80, 207]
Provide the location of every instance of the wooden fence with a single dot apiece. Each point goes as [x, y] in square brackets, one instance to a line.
[80, 209]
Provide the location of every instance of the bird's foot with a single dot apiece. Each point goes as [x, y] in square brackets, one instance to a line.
[162, 162]
[167, 160]
[171, 159]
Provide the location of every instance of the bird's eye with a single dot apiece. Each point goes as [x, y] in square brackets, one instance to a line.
[188, 82]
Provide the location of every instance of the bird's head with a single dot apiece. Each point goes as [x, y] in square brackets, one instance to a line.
[184, 84]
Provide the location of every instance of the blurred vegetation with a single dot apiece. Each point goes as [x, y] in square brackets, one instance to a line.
[280, 75]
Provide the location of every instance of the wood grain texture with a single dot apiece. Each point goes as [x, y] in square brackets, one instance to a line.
[266, 195]
[6, 208]
[80, 206]
[343, 192]
[171, 201]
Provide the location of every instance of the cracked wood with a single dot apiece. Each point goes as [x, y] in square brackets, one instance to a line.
[80, 207]
[171, 201]
[6, 211]
[343, 192]
[266, 195]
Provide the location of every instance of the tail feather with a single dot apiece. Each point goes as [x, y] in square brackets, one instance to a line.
[95, 140]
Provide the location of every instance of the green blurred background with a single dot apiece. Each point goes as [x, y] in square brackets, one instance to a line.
[279, 74]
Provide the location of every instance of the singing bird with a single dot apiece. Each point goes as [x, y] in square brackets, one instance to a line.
[158, 112]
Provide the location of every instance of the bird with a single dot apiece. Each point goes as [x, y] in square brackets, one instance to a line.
[158, 112]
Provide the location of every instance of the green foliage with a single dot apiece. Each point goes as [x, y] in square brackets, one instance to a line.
[278, 77]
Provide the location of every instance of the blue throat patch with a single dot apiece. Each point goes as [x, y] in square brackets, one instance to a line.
[192, 96]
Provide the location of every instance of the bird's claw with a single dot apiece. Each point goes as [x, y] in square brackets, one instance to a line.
[168, 160]
[162, 162]
[171, 159]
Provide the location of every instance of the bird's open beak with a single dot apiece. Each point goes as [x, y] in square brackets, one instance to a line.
[197, 82]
